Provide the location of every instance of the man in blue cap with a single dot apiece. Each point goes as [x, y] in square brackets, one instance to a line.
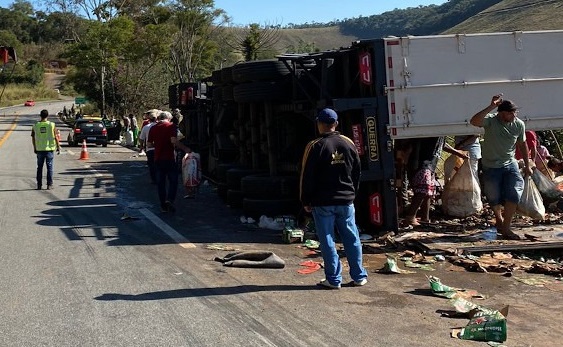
[329, 180]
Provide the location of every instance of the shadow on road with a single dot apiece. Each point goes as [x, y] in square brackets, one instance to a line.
[201, 292]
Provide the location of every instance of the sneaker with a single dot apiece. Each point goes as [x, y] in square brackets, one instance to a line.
[50, 187]
[360, 283]
[38, 188]
[326, 284]
[163, 208]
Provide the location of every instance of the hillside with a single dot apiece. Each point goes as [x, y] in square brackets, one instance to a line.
[511, 15]
[323, 38]
[506, 15]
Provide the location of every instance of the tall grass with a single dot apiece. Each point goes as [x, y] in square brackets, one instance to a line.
[15, 94]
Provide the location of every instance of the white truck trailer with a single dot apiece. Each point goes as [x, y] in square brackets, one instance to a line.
[257, 116]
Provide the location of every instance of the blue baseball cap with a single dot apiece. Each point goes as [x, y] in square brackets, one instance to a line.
[327, 116]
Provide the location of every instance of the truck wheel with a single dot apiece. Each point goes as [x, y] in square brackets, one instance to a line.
[217, 93]
[222, 190]
[270, 187]
[235, 175]
[234, 198]
[259, 70]
[260, 91]
[227, 92]
[221, 171]
[271, 208]
[227, 75]
[216, 76]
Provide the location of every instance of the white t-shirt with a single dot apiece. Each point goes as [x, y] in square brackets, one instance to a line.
[144, 135]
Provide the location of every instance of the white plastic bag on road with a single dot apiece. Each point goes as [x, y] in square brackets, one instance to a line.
[531, 202]
[462, 194]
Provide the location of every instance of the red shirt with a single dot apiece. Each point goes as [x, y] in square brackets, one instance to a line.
[531, 141]
[160, 135]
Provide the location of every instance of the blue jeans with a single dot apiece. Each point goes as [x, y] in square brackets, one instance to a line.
[343, 217]
[42, 158]
[166, 170]
[503, 184]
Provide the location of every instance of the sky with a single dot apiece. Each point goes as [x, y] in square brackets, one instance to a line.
[284, 12]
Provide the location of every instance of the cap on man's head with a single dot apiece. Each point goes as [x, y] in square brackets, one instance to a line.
[507, 105]
[327, 116]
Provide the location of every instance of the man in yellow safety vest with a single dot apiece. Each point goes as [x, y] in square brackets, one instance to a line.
[45, 142]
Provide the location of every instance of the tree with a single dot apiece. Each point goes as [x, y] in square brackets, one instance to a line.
[254, 40]
[193, 50]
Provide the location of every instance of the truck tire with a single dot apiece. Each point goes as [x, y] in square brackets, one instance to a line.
[234, 198]
[216, 76]
[217, 94]
[227, 75]
[266, 187]
[234, 176]
[259, 70]
[222, 190]
[260, 91]
[271, 208]
[221, 171]
[227, 92]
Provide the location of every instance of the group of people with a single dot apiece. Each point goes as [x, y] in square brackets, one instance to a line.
[331, 173]
[158, 139]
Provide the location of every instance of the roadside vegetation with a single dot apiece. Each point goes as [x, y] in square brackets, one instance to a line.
[122, 56]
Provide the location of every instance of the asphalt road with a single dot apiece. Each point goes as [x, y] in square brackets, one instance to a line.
[94, 263]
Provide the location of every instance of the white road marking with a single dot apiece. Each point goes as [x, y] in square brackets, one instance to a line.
[168, 230]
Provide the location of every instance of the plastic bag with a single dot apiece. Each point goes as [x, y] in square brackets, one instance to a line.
[191, 170]
[129, 138]
[451, 166]
[531, 203]
[462, 194]
[548, 189]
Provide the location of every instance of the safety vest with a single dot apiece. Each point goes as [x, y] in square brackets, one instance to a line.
[44, 136]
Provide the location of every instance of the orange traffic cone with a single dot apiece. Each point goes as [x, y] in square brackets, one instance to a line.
[84, 152]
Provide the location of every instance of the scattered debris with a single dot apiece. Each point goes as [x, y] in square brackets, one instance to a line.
[128, 217]
[311, 244]
[391, 267]
[221, 247]
[310, 267]
[484, 325]
[291, 235]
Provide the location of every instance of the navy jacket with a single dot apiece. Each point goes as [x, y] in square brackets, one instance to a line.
[330, 171]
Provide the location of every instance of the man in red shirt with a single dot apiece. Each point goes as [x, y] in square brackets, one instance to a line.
[163, 137]
[532, 142]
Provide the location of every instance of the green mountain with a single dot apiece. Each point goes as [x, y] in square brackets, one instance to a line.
[455, 16]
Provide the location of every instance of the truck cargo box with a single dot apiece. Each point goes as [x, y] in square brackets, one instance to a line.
[436, 83]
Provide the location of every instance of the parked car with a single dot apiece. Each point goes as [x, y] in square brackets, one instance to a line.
[91, 130]
[29, 103]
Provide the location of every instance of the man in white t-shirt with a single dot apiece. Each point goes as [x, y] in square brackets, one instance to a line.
[149, 149]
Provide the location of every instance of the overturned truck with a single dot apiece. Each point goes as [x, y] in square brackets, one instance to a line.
[251, 121]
